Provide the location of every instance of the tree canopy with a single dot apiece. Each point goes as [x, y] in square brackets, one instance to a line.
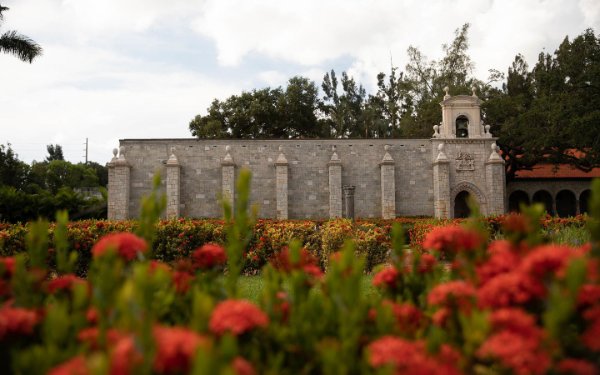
[40, 189]
[550, 112]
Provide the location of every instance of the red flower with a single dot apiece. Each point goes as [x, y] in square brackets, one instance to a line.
[127, 245]
[452, 294]
[573, 366]
[405, 357]
[426, 263]
[548, 259]
[307, 262]
[182, 281]
[516, 223]
[90, 336]
[502, 260]
[64, 282]
[237, 317]
[75, 366]
[17, 321]
[242, 367]
[209, 256]
[516, 321]
[7, 266]
[510, 289]
[387, 277]
[175, 349]
[515, 352]
[589, 295]
[452, 239]
[591, 335]
[92, 315]
[156, 265]
[7, 269]
[125, 357]
[408, 317]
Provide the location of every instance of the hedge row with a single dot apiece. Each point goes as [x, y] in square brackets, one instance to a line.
[177, 238]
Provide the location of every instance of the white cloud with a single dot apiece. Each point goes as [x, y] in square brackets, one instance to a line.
[90, 84]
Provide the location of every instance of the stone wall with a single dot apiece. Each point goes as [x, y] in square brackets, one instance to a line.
[299, 179]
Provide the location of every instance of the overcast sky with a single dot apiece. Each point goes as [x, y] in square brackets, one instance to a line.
[115, 69]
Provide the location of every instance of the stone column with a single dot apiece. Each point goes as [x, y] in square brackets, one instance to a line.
[496, 181]
[335, 185]
[349, 201]
[281, 181]
[118, 186]
[388, 186]
[442, 206]
[228, 181]
[173, 185]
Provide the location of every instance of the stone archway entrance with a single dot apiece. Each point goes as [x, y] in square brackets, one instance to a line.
[459, 197]
[461, 206]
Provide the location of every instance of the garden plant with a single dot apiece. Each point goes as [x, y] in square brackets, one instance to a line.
[463, 300]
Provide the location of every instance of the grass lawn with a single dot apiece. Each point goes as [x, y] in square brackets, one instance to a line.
[251, 287]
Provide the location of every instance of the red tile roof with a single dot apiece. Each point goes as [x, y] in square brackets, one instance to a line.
[557, 171]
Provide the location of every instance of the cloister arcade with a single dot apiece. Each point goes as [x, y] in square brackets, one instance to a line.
[562, 203]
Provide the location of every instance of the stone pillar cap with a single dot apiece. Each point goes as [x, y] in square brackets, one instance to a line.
[281, 160]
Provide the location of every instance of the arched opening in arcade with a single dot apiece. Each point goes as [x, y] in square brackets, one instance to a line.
[515, 200]
[584, 201]
[461, 205]
[544, 197]
[566, 203]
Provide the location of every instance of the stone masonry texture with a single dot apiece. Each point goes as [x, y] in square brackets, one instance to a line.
[310, 174]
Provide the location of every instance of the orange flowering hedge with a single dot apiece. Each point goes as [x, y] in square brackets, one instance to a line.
[176, 239]
[466, 304]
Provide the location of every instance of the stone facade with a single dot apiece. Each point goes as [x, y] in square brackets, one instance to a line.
[305, 178]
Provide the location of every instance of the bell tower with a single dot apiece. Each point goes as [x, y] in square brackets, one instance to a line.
[466, 163]
[461, 117]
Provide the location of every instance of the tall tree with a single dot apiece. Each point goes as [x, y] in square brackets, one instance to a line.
[264, 113]
[12, 42]
[343, 111]
[54, 153]
[552, 112]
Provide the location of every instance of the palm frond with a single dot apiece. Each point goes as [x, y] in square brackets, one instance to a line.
[2, 9]
[19, 45]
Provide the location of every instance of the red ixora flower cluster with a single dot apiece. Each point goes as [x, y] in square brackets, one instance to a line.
[16, 321]
[411, 357]
[386, 278]
[175, 349]
[64, 283]
[209, 256]
[451, 239]
[236, 317]
[307, 262]
[127, 245]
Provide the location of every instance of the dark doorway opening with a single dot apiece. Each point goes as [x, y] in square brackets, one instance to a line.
[542, 196]
[461, 206]
[566, 204]
[584, 202]
[515, 200]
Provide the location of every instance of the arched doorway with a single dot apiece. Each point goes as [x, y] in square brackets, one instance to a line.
[566, 204]
[462, 127]
[542, 196]
[461, 205]
[584, 201]
[515, 200]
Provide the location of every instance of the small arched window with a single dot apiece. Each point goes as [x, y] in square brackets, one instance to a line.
[462, 127]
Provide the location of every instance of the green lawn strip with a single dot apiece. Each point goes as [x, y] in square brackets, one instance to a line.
[250, 287]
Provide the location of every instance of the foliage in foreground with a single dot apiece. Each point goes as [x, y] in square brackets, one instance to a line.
[464, 304]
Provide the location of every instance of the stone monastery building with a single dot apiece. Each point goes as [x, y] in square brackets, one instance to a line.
[322, 178]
